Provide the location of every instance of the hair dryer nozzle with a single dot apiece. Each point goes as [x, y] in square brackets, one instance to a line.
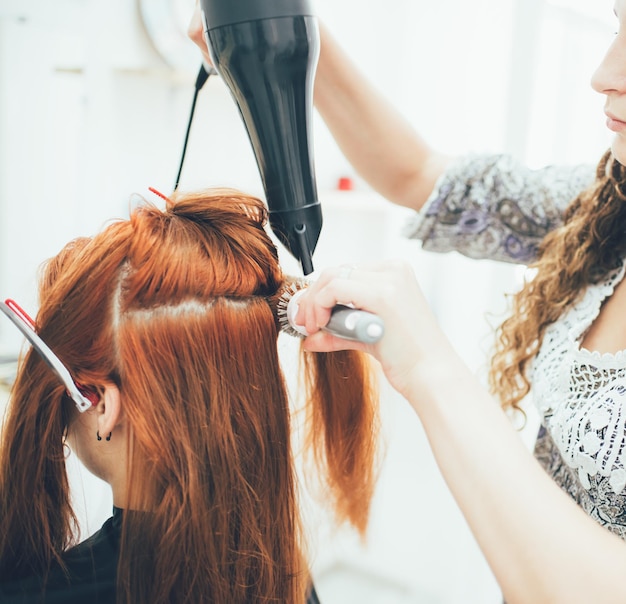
[266, 53]
[298, 230]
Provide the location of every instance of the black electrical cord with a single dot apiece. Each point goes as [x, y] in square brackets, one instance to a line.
[203, 76]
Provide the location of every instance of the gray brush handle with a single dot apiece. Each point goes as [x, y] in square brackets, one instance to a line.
[353, 324]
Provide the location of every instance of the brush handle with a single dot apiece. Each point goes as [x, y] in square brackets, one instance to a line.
[345, 322]
[353, 324]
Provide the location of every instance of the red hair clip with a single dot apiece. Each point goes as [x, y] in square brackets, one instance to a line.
[159, 194]
[84, 397]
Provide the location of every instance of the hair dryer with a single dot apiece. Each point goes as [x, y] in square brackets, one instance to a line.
[266, 52]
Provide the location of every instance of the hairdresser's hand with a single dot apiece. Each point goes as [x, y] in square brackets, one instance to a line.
[412, 346]
[195, 31]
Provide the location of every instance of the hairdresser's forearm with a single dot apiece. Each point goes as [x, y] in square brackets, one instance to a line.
[541, 546]
[380, 144]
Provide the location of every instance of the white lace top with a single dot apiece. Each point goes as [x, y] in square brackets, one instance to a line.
[493, 207]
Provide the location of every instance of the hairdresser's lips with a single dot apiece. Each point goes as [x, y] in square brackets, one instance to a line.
[614, 124]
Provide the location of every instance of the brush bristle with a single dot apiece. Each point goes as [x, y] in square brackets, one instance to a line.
[291, 287]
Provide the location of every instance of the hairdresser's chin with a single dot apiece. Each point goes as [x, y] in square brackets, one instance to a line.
[618, 144]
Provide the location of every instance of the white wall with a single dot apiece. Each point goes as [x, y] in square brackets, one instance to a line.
[90, 114]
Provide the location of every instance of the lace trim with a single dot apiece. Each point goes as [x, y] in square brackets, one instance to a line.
[582, 394]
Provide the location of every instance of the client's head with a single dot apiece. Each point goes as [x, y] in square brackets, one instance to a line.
[170, 317]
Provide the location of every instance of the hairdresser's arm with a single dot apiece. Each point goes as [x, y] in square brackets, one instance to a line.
[541, 546]
[381, 145]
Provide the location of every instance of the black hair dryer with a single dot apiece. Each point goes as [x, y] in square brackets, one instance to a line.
[266, 52]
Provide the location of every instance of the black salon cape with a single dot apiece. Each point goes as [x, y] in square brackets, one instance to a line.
[92, 567]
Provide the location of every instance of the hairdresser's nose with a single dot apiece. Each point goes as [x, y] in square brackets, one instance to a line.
[610, 75]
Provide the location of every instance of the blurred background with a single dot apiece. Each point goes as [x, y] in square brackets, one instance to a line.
[94, 102]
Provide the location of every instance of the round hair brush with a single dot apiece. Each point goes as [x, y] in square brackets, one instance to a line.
[345, 322]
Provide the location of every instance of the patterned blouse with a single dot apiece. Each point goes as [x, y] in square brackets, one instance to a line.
[490, 206]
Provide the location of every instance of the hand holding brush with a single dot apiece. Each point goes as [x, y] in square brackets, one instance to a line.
[345, 321]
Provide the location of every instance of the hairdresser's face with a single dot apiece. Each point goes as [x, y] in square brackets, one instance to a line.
[610, 79]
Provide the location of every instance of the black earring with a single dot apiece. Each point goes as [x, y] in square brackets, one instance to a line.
[98, 435]
[109, 436]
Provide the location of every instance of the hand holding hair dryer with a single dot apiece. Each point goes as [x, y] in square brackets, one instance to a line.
[266, 52]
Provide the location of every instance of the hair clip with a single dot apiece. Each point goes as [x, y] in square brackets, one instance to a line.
[83, 397]
[159, 194]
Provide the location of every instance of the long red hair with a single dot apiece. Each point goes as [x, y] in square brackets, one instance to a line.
[178, 308]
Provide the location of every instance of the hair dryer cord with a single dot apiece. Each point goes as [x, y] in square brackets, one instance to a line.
[203, 76]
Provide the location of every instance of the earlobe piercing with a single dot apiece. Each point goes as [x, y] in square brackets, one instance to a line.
[100, 437]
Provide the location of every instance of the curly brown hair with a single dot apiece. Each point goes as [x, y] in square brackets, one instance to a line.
[590, 242]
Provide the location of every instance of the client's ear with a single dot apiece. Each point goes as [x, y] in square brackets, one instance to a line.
[108, 408]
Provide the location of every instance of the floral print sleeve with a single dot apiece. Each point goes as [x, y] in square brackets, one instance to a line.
[493, 207]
